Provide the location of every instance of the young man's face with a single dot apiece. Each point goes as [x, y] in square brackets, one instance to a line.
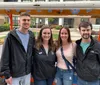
[85, 32]
[24, 22]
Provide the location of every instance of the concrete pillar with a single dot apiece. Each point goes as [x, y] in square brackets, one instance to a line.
[1, 0]
[46, 0]
[61, 21]
[37, 22]
[33, 0]
[92, 20]
[61, 0]
[46, 21]
[76, 22]
[19, 0]
[2, 19]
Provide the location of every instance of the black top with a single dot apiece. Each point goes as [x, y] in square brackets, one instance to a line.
[15, 61]
[44, 65]
[88, 64]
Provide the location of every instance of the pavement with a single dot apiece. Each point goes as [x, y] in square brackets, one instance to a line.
[2, 34]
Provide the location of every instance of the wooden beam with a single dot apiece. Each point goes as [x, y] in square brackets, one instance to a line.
[82, 12]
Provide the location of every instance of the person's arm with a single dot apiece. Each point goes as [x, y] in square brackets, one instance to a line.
[74, 56]
[5, 59]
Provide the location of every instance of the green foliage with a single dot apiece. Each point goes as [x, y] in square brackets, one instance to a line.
[58, 27]
[4, 27]
[33, 22]
[51, 19]
[15, 25]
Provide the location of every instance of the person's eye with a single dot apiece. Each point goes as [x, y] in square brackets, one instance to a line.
[83, 30]
[24, 19]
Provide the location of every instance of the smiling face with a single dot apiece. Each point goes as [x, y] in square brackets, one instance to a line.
[64, 35]
[24, 22]
[85, 32]
[85, 29]
[46, 34]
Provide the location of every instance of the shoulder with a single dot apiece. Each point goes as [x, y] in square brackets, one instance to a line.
[10, 33]
[31, 34]
[74, 44]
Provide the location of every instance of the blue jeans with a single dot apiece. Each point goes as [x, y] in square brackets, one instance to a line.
[64, 77]
[82, 82]
[43, 82]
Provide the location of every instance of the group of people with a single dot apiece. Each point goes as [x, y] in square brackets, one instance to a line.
[23, 56]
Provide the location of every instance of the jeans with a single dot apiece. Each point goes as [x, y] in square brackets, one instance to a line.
[43, 82]
[24, 80]
[82, 82]
[64, 77]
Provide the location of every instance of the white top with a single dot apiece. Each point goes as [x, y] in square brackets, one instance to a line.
[68, 53]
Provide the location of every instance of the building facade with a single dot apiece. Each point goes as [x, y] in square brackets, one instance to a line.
[72, 21]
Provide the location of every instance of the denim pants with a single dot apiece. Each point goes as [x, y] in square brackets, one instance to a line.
[24, 80]
[48, 81]
[64, 77]
[82, 82]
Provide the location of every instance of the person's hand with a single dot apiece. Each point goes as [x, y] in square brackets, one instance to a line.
[9, 81]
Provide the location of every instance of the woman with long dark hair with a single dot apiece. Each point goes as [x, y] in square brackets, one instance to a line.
[44, 58]
[64, 75]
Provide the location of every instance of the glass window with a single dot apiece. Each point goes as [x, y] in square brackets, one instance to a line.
[54, 0]
[26, 0]
[6, 19]
[39, 0]
[15, 20]
[53, 21]
[94, 0]
[75, 0]
[98, 21]
[69, 22]
[84, 19]
[10, 0]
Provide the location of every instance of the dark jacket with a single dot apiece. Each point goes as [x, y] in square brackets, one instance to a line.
[15, 61]
[88, 64]
[44, 65]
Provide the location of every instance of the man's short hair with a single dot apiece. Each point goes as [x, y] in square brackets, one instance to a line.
[85, 25]
[24, 14]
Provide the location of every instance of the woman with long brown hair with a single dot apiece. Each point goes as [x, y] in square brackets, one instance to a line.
[64, 75]
[44, 58]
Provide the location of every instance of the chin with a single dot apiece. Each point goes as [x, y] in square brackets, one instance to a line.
[26, 28]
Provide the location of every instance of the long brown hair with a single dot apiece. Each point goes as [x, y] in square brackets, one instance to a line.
[59, 41]
[39, 40]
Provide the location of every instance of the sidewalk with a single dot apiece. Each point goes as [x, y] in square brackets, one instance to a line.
[2, 34]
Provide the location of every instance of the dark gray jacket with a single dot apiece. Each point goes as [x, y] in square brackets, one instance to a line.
[88, 64]
[15, 61]
[44, 65]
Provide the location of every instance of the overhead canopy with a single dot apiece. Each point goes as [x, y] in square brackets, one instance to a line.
[51, 5]
[52, 8]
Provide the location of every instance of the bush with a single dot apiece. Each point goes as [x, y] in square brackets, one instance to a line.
[4, 27]
[58, 27]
